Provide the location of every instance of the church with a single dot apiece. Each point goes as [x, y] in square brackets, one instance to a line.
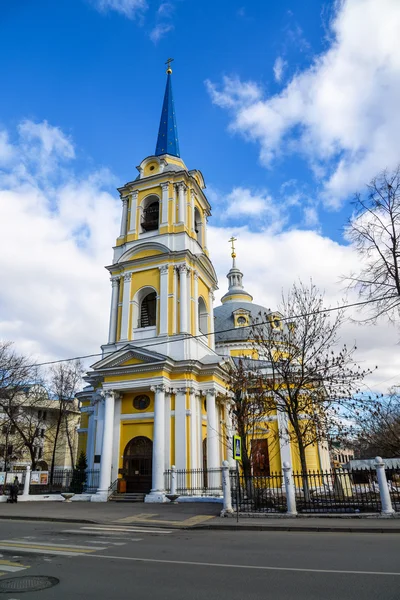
[158, 396]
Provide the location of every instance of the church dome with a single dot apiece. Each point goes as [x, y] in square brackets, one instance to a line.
[232, 320]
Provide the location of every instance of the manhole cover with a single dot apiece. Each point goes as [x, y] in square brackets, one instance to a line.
[27, 584]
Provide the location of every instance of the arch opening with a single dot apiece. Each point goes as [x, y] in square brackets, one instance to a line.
[150, 213]
[203, 316]
[138, 464]
[198, 225]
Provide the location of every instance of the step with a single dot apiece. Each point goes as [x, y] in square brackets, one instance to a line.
[116, 497]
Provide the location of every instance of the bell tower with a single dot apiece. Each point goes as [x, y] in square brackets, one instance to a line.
[162, 278]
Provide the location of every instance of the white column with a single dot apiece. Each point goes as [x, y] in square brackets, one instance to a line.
[180, 428]
[27, 481]
[196, 303]
[212, 431]
[175, 301]
[386, 501]
[106, 450]
[229, 433]
[157, 493]
[164, 203]
[226, 487]
[124, 218]
[289, 487]
[163, 329]
[182, 204]
[112, 331]
[284, 440]
[126, 306]
[167, 452]
[192, 205]
[132, 216]
[194, 459]
[211, 320]
[189, 299]
[116, 437]
[183, 300]
[90, 438]
[205, 231]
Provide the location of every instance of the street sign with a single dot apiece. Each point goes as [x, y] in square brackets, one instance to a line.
[237, 447]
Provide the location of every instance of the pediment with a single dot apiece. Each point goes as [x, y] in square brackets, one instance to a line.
[129, 356]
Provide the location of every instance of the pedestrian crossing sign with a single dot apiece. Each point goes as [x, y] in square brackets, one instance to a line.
[237, 447]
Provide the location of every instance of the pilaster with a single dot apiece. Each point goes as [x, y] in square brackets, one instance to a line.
[126, 306]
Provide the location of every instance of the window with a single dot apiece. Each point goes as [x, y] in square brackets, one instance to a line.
[4, 430]
[40, 453]
[2, 450]
[151, 214]
[198, 224]
[44, 415]
[203, 316]
[148, 310]
[141, 402]
[42, 433]
[39, 415]
[10, 450]
[13, 429]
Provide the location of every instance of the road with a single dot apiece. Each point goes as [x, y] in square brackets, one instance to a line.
[105, 562]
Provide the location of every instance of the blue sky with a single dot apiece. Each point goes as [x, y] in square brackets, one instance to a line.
[99, 76]
[288, 108]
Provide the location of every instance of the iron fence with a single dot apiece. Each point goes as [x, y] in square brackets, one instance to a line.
[258, 494]
[68, 480]
[393, 479]
[195, 482]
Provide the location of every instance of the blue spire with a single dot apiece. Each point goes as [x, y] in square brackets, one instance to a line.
[167, 141]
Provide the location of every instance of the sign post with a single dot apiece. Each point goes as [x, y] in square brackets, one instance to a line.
[237, 455]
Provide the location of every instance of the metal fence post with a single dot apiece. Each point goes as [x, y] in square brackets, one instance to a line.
[386, 501]
[173, 479]
[226, 488]
[289, 487]
[27, 481]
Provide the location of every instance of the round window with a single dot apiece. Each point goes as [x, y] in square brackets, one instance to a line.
[241, 320]
[141, 402]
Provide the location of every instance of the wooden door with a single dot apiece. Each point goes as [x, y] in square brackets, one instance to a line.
[138, 465]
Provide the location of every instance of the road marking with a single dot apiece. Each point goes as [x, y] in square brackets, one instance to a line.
[145, 518]
[36, 548]
[7, 567]
[127, 529]
[253, 567]
[47, 544]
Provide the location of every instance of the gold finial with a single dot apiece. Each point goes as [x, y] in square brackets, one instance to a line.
[168, 62]
[232, 241]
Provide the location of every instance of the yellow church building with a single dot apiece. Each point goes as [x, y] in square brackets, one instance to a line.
[158, 396]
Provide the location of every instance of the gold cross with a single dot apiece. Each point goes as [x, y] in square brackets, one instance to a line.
[232, 241]
[168, 62]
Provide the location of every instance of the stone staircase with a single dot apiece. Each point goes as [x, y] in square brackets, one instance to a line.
[126, 497]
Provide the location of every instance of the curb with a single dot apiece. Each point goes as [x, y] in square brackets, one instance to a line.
[308, 529]
[233, 527]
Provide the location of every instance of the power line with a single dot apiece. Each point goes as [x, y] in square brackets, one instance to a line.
[202, 335]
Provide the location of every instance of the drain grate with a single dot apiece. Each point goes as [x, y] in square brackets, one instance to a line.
[27, 584]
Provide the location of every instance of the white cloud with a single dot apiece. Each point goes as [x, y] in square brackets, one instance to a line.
[128, 8]
[159, 31]
[55, 235]
[278, 68]
[6, 149]
[342, 111]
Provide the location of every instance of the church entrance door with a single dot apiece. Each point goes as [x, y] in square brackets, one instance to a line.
[138, 465]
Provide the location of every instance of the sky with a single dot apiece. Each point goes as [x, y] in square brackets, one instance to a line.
[287, 108]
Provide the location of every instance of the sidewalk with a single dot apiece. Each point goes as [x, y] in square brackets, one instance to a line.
[188, 516]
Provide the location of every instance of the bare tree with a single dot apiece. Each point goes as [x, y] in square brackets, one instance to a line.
[374, 230]
[308, 376]
[20, 393]
[376, 430]
[64, 381]
[250, 407]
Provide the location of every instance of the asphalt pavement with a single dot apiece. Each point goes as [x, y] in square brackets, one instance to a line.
[106, 561]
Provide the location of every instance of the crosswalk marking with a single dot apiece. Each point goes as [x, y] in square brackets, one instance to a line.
[127, 529]
[53, 545]
[7, 567]
[40, 548]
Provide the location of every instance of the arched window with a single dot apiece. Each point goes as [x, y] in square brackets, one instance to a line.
[203, 316]
[150, 214]
[148, 310]
[198, 225]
